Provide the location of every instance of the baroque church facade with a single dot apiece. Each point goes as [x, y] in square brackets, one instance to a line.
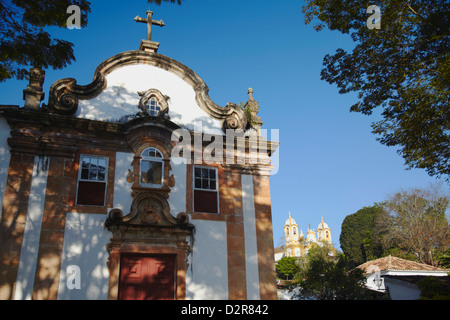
[296, 243]
[99, 201]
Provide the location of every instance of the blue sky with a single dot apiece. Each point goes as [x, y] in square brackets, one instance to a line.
[330, 163]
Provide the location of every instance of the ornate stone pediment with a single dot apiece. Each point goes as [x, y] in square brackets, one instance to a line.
[149, 209]
[66, 93]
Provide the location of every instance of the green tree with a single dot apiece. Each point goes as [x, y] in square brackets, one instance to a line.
[25, 43]
[359, 239]
[433, 288]
[403, 67]
[324, 250]
[329, 279]
[287, 268]
[417, 223]
[444, 259]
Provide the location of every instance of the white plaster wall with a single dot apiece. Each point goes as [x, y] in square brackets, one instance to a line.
[5, 157]
[120, 98]
[122, 188]
[207, 276]
[251, 249]
[32, 233]
[85, 241]
[278, 256]
[177, 195]
[402, 290]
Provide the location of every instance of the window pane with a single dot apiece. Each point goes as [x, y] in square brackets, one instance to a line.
[94, 163]
[152, 153]
[101, 164]
[85, 163]
[205, 173]
[89, 168]
[212, 173]
[145, 167]
[212, 184]
[198, 183]
[151, 172]
[93, 174]
[198, 172]
[101, 175]
[205, 184]
[85, 174]
[156, 172]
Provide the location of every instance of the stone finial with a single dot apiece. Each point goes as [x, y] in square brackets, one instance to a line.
[251, 110]
[33, 94]
[250, 94]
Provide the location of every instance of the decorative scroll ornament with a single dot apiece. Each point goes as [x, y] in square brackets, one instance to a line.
[148, 209]
[237, 119]
[62, 101]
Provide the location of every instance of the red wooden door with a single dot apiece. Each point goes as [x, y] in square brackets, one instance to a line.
[147, 277]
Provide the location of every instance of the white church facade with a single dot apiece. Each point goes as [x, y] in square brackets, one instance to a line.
[115, 189]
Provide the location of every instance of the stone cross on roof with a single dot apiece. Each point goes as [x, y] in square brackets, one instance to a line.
[149, 21]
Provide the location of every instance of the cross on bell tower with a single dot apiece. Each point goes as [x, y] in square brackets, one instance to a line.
[149, 45]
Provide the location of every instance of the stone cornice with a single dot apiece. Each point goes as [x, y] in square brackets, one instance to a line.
[40, 132]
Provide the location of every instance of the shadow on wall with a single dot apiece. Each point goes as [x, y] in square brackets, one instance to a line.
[84, 247]
[119, 104]
[208, 279]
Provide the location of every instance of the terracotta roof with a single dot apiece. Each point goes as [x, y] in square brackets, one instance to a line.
[278, 249]
[394, 263]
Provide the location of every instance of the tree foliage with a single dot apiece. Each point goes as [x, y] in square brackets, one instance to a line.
[416, 223]
[433, 288]
[328, 278]
[404, 67]
[444, 259]
[287, 268]
[359, 239]
[24, 41]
